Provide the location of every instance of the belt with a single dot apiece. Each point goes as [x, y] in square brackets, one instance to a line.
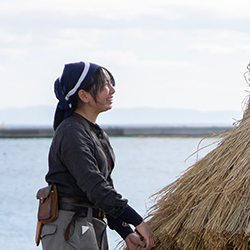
[80, 209]
[70, 204]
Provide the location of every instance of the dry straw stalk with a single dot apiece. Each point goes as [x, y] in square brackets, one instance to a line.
[208, 207]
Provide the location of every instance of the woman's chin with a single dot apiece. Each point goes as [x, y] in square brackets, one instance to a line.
[107, 108]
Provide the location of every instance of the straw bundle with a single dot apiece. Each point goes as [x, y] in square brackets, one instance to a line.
[208, 207]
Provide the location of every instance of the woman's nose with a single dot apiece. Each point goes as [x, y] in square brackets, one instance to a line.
[112, 89]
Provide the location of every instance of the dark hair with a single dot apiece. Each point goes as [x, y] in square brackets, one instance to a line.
[94, 84]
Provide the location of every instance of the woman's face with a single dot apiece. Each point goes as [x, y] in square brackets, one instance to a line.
[105, 95]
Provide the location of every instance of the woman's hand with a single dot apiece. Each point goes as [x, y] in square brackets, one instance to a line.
[147, 234]
[133, 241]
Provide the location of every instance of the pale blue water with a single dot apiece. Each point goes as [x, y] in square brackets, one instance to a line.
[143, 166]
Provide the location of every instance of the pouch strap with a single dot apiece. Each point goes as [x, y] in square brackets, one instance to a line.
[38, 232]
[75, 216]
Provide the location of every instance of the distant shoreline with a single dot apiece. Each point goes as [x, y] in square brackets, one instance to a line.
[123, 131]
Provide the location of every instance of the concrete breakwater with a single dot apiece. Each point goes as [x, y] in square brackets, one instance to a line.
[133, 131]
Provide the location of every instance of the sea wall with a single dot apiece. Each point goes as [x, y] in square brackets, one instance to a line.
[181, 131]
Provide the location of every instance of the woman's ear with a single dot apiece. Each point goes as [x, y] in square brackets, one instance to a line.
[83, 95]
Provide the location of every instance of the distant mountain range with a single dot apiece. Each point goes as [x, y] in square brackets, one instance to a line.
[43, 116]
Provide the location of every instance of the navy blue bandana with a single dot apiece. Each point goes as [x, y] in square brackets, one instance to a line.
[74, 77]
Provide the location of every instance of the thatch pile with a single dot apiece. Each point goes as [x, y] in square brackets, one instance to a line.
[208, 207]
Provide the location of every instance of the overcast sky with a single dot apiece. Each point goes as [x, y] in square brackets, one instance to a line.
[162, 53]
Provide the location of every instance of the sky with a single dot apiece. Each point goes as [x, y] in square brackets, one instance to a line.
[189, 54]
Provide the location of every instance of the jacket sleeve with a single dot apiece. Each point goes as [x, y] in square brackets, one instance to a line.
[119, 224]
[121, 227]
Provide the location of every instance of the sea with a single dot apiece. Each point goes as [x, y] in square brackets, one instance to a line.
[144, 165]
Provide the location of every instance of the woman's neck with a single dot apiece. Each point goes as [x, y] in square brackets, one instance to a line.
[90, 116]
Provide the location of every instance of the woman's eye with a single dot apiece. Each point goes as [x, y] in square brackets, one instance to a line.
[107, 82]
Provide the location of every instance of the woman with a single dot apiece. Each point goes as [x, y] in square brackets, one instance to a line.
[80, 164]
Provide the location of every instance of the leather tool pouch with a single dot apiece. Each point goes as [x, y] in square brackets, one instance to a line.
[48, 208]
[48, 204]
